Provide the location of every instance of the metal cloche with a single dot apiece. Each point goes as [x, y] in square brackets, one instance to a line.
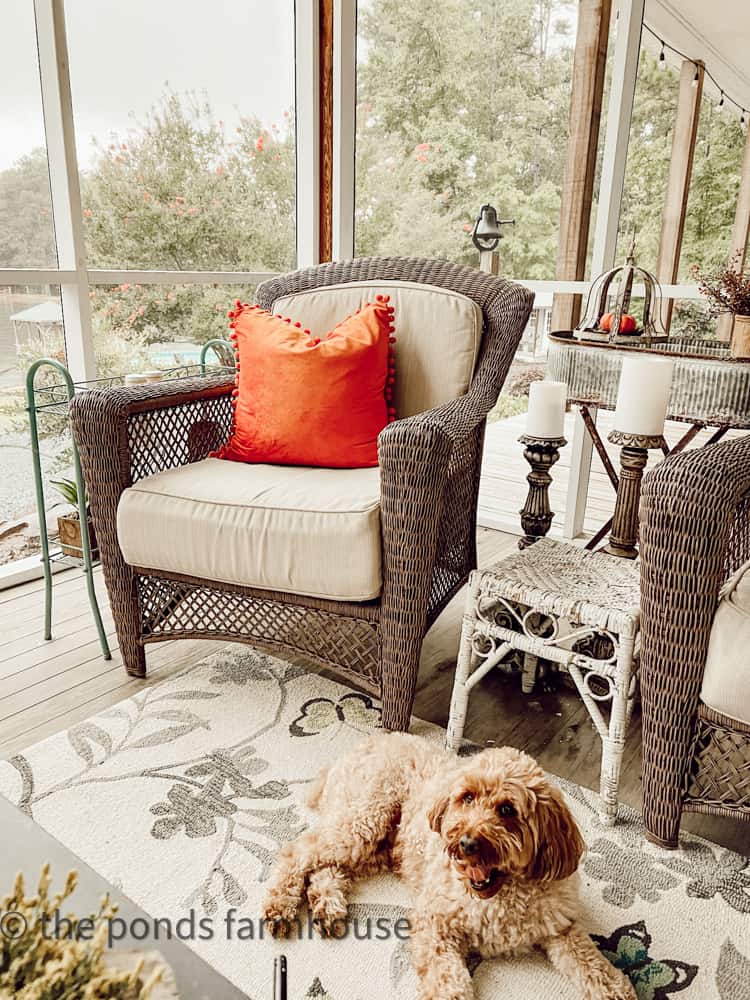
[608, 317]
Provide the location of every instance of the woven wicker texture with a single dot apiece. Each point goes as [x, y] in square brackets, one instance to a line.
[719, 775]
[695, 531]
[559, 603]
[591, 588]
[155, 442]
[430, 465]
[177, 607]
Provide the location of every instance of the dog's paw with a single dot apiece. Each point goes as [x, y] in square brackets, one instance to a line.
[278, 927]
[617, 987]
[461, 993]
[327, 906]
[623, 991]
[327, 913]
[279, 915]
[326, 897]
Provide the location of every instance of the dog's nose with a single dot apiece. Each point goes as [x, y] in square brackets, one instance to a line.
[468, 845]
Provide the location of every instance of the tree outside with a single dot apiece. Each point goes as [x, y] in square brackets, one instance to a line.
[459, 104]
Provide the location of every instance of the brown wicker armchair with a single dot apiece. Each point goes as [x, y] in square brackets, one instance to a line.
[695, 532]
[429, 476]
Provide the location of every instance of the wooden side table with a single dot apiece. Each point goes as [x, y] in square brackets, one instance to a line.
[576, 608]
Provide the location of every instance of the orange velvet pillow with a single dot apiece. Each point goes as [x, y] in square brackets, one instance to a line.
[301, 400]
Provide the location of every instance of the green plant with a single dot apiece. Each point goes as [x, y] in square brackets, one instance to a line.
[68, 490]
[507, 406]
[36, 965]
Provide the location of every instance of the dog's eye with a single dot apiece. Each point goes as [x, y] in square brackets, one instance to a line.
[506, 809]
[467, 797]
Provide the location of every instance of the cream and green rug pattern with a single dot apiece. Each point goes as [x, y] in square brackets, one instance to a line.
[182, 795]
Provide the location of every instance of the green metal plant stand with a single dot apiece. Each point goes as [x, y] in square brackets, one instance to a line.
[55, 398]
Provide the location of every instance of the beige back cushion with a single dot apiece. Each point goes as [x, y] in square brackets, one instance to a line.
[726, 680]
[438, 333]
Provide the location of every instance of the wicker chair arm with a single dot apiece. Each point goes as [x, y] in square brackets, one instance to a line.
[451, 422]
[689, 507]
[120, 401]
[126, 433]
[694, 525]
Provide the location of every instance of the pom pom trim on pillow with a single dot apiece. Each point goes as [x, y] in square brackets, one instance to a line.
[296, 452]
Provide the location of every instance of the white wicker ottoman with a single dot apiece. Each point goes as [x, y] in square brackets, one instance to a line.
[561, 603]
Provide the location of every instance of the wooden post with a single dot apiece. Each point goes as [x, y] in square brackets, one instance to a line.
[580, 167]
[740, 233]
[307, 102]
[680, 172]
[326, 129]
[344, 125]
[489, 261]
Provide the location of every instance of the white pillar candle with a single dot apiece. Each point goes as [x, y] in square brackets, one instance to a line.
[643, 396]
[546, 414]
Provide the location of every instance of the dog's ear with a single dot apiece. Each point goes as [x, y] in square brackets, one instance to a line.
[560, 842]
[436, 813]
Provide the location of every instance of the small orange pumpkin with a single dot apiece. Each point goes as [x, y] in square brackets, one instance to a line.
[627, 323]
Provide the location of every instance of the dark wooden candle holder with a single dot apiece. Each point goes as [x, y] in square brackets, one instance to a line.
[536, 515]
[634, 449]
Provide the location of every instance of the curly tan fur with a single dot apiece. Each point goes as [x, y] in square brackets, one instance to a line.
[486, 845]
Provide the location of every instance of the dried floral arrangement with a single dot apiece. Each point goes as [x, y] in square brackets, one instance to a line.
[727, 288]
[37, 966]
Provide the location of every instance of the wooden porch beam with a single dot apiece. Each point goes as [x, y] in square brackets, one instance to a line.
[344, 125]
[325, 63]
[740, 232]
[589, 63]
[680, 171]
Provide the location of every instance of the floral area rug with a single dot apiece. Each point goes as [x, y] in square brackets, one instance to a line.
[182, 795]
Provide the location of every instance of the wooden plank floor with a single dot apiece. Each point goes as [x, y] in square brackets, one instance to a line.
[48, 686]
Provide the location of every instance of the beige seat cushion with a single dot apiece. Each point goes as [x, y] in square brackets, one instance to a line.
[438, 333]
[726, 679]
[300, 530]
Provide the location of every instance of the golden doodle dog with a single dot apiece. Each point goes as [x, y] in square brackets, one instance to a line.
[487, 846]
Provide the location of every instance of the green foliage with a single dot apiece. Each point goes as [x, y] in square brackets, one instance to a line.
[507, 406]
[68, 490]
[183, 194]
[713, 191]
[142, 315]
[649, 152]
[27, 236]
[692, 320]
[461, 104]
[38, 965]
[715, 181]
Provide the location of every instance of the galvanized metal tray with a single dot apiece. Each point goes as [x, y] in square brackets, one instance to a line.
[709, 386]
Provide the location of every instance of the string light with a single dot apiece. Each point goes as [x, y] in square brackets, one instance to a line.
[724, 98]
